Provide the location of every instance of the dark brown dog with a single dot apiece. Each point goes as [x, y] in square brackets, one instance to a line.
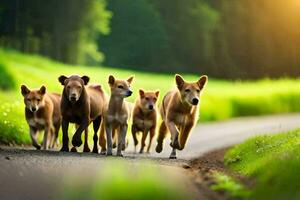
[144, 118]
[42, 112]
[81, 105]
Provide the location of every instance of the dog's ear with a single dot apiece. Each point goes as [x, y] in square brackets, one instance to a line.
[179, 81]
[111, 80]
[142, 93]
[85, 79]
[157, 93]
[129, 80]
[202, 81]
[42, 90]
[62, 79]
[24, 90]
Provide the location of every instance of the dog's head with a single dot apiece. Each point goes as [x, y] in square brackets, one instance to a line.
[73, 86]
[148, 99]
[33, 99]
[120, 88]
[190, 92]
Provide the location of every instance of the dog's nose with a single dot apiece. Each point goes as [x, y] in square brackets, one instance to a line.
[33, 109]
[129, 93]
[73, 98]
[151, 107]
[195, 101]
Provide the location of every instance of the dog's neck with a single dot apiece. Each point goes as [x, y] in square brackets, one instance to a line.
[115, 103]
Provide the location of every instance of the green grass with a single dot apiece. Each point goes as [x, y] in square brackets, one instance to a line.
[273, 161]
[221, 100]
[125, 181]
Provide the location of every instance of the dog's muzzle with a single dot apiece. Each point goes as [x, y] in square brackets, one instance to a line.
[128, 93]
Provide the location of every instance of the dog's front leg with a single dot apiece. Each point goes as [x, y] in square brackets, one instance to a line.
[174, 134]
[65, 139]
[33, 134]
[76, 140]
[108, 130]
[46, 134]
[121, 139]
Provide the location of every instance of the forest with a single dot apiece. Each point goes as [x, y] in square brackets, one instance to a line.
[229, 39]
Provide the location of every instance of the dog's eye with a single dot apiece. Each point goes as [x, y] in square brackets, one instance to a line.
[120, 86]
[27, 99]
[147, 98]
[68, 87]
[154, 99]
[187, 90]
[198, 91]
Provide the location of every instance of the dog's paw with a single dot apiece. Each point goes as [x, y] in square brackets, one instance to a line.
[64, 149]
[159, 147]
[38, 147]
[109, 153]
[172, 157]
[120, 154]
[86, 149]
[175, 144]
[73, 149]
[95, 150]
[103, 152]
[141, 151]
[77, 142]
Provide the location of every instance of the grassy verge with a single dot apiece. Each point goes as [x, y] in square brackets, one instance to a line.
[274, 163]
[221, 99]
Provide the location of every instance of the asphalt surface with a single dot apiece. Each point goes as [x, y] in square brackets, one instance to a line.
[30, 174]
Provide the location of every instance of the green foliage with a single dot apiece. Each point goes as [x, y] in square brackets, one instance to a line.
[119, 182]
[231, 186]
[273, 161]
[220, 99]
[64, 30]
[6, 79]
[138, 39]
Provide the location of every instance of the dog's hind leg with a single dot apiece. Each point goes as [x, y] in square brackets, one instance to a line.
[102, 139]
[96, 125]
[161, 136]
[135, 140]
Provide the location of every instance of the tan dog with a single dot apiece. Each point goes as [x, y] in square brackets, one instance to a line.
[117, 113]
[144, 118]
[81, 104]
[179, 111]
[42, 112]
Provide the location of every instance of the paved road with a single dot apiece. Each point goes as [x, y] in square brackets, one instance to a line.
[28, 174]
[210, 136]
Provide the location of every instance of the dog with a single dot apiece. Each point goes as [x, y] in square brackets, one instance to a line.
[117, 113]
[82, 105]
[179, 111]
[42, 112]
[144, 118]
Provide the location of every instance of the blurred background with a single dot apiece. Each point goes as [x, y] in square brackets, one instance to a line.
[250, 49]
[236, 39]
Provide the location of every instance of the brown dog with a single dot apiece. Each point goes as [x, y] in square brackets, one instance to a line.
[144, 118]
[81, 105]
[42, 112]
[179, 111]
[117, 113]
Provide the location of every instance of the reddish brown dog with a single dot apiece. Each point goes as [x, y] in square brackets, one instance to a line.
[179, 111]
[81, 105]
[144, 118]
[42, 112]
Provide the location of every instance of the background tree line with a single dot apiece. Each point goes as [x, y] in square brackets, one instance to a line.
[226, 39]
